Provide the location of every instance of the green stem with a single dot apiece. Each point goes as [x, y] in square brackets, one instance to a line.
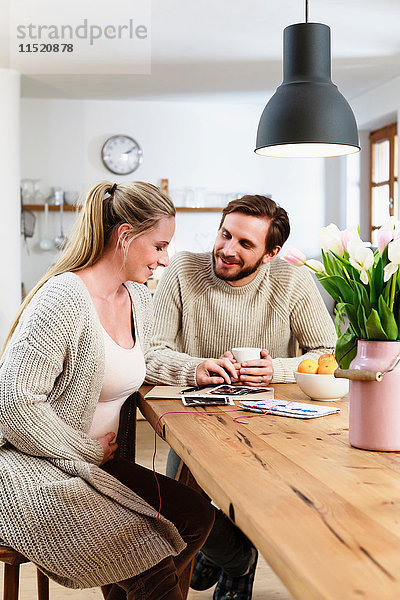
[393, 290]
[315, 270]
[347, 275]
[369, 278]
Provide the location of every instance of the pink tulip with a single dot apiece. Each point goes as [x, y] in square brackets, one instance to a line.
[349, 235]
[384, 237]
[294, 256]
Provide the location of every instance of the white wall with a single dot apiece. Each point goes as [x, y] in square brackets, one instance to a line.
[192, 144]
[379, 106]
[374, 109]
[10, 251]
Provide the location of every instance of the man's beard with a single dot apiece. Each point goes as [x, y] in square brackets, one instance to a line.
[244, 272]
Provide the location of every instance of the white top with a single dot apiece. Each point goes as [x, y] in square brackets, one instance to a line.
[124, 373]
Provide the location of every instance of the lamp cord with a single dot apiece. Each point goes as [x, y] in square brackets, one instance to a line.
[306, 1]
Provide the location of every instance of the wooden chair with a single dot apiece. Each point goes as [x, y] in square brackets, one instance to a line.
[12, 560]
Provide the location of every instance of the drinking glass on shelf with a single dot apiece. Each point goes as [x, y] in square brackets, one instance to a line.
[232, 196]
[199, 197]
[215, 199]
[58, 196]
[37, 196]
[178, 197]
[27, 191]
[189, 197]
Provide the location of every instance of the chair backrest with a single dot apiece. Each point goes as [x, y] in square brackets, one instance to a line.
[11, 557]
[126, 438]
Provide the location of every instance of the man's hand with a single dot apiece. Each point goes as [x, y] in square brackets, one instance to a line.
[109, 446]
[228, 354]
[256, 373]
[214, 371]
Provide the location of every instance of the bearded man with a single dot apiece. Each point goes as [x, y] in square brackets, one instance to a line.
[238, 295]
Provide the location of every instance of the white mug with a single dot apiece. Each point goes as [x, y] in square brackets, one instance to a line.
[245, 354]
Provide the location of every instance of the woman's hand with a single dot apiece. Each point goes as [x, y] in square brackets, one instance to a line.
[109, 446]
[214, 371]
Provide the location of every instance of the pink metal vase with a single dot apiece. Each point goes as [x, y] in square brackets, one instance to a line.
[375, 405]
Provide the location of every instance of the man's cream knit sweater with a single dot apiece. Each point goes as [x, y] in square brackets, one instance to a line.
[201, 316]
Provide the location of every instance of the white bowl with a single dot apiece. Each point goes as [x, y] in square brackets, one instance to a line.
[322, 387]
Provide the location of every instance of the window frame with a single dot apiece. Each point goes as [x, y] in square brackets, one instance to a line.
[389, 132]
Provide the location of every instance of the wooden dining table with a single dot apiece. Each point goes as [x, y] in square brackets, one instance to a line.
[325, 515]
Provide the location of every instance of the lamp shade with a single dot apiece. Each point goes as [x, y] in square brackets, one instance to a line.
[307, 115]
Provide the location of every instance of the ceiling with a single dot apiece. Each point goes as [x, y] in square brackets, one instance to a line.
[232, 50]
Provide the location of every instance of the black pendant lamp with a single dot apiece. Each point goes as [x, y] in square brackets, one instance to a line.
[307, 116]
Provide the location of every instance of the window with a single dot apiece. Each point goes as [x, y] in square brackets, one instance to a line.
[383, 177]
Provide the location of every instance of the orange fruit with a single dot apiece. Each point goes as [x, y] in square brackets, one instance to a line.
[325, 357]
[308, 366]
[327, 367]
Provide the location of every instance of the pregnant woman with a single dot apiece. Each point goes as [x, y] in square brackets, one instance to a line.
[70, 499]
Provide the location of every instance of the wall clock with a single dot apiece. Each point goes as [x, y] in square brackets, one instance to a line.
[121, 154]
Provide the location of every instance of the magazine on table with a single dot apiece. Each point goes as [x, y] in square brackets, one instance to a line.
[283, 408]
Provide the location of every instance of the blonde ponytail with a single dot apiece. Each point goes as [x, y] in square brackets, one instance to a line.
[107, 205]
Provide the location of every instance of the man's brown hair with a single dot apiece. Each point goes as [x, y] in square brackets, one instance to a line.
[264, 207]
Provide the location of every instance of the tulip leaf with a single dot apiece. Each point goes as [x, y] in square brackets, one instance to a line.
[341, 259]
[351, 312]
[376, 281]
[337, 287]
[345, 289]
[398, 317]
[361, 296]
[339, 310]
[330, 266]
[346, 349]
[361, 321]
[374, 327]
[377, 276]
[326, 262]
[386, 292]
[329, 286]
[387, 319]
[354, 274]
[385, 257]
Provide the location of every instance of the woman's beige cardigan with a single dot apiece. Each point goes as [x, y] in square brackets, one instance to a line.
[77, 523]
